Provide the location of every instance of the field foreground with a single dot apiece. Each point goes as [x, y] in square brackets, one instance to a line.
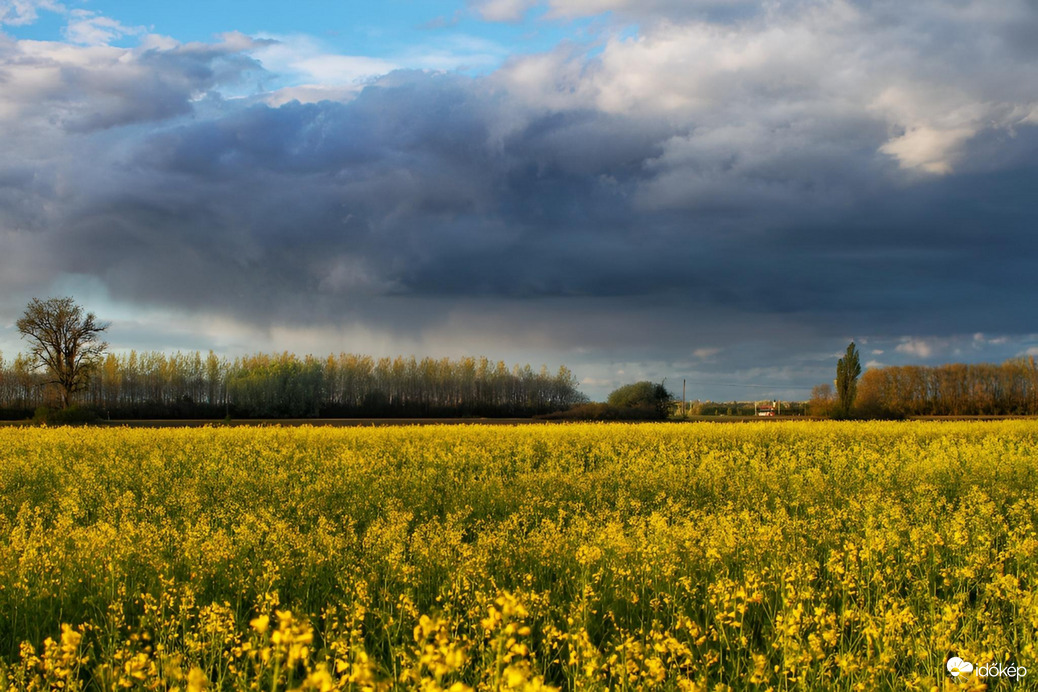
[808, 556]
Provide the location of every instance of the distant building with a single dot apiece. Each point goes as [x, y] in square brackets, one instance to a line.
[767, 409]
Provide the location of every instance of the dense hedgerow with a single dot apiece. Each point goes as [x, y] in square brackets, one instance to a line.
[704, 556]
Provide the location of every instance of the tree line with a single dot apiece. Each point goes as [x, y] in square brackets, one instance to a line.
[196, 385]
[955, 389]
[68, 360]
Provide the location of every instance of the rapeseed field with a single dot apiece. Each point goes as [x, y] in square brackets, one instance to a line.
[785, 556]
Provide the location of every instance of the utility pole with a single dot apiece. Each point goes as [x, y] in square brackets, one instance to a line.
[682, 397]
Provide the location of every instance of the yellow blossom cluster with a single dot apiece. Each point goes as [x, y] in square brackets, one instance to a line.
[778, 556]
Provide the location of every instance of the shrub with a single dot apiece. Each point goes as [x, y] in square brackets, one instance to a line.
[647, 396]
[73, 415]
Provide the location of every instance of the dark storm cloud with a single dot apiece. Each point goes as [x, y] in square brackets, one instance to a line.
[827, 170]
[403, 192]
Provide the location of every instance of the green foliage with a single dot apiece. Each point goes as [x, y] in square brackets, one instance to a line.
[278, 386]
[73, 415]
[848, 369]
[644, 395]
[191, 385]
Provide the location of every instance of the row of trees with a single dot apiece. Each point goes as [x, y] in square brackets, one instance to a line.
[957, 389]
[187, 385]
[67, 360]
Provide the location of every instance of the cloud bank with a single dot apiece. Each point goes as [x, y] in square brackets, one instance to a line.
[728, 173]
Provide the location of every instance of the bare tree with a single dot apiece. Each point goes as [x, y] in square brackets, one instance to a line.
[64, 340]
[823, 399]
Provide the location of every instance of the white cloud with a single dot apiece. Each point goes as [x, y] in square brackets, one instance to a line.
[927, 149]
[916, 347]
[53, 85]
[342, 70]
[92, 29]
[304, 61]
[454, 52]
[554, 81]
[503, 10]
[308, 69]
[22, 12]
[801, 79]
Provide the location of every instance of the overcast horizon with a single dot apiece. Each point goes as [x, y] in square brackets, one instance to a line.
[723, 192]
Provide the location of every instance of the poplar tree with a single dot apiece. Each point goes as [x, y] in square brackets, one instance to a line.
[848, 369]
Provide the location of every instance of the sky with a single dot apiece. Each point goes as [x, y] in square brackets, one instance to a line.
[718, 192]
